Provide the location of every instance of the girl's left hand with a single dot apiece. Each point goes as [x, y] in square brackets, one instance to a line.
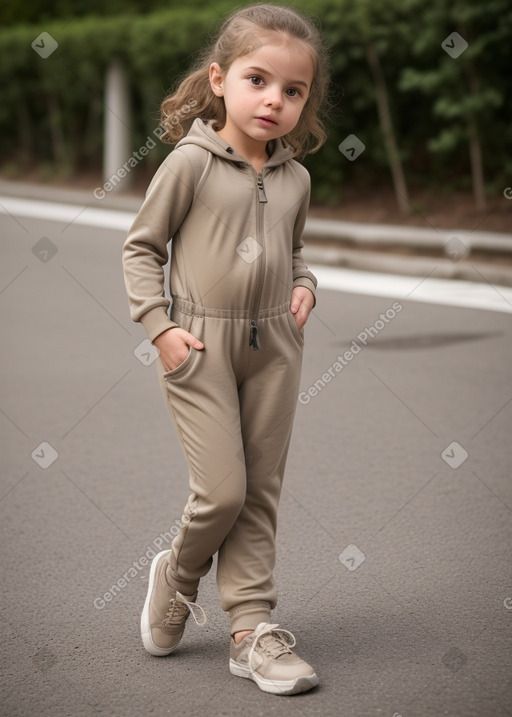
[301, 304]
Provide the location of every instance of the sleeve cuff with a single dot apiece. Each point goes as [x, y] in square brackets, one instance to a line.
[155, 322]
[308, 284]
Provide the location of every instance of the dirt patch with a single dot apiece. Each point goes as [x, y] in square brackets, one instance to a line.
[456, 211]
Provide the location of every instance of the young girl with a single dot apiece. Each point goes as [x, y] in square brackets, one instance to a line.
[234, 202]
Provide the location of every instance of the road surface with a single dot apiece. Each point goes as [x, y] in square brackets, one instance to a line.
[394, 540]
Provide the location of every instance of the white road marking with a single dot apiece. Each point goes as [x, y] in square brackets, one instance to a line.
[467, 294]
[436, 291]
[67, 213]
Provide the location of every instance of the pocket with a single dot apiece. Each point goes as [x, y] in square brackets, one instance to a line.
[183, 366]
[297, 333]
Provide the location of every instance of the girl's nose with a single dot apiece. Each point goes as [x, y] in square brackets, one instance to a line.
[273, 99]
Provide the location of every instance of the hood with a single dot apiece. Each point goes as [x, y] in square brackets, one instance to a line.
[203, 134]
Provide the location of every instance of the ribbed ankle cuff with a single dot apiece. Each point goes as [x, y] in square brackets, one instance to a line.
[185, 587]
[248, 615]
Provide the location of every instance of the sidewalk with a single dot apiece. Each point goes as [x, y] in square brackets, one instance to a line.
[445, 254]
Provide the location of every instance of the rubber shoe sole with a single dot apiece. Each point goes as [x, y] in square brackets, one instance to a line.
[281, 687]
[145, 627]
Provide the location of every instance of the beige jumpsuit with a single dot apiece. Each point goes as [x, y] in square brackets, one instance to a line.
[236, 256]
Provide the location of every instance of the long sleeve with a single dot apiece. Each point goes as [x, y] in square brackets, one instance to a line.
[145, 252]
[301, 274]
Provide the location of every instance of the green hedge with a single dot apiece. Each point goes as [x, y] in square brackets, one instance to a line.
[51, 111]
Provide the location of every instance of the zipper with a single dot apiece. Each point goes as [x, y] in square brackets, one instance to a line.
[261, 189]
[254, 339]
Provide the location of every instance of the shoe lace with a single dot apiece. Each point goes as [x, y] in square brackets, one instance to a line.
[179, 608]
[272, 640]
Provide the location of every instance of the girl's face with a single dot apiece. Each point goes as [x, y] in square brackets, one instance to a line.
[265, 92]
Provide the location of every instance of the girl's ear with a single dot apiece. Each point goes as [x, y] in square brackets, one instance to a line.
[216, 79]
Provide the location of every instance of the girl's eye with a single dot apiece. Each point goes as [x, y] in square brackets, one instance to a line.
[255, 80]
[294, 92]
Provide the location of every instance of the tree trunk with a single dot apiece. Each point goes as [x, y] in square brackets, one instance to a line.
[475, 148]
[57, 135]
[25, 134]
[400, 187]
[475, 156]
[92, 146]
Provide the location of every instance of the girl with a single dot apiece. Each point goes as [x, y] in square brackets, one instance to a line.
[234, 201]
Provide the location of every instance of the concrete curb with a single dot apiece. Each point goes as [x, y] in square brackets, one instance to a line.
[412, 237]
[417, 265]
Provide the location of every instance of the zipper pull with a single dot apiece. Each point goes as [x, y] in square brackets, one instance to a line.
[254, 339]
[261, 189]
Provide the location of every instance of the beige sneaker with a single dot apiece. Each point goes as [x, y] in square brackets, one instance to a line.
[265, 656]
[165, 611]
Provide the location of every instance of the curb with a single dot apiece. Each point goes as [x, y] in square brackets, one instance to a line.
[411, 237]
[423, 266]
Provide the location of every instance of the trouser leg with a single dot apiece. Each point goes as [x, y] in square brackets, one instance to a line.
[202, 399]
[268, 398]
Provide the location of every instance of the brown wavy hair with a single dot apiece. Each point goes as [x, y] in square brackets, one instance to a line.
[240, 35]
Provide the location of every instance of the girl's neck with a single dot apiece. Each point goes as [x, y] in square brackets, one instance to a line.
[253, 151]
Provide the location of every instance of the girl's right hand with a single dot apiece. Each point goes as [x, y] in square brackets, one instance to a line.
[173, 346]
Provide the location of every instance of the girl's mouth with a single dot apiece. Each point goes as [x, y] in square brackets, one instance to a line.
[266, 122]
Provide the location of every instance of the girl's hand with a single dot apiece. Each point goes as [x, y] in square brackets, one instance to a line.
[173, 346]
[301, 304]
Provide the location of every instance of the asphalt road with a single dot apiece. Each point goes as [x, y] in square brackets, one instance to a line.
[394, 541]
